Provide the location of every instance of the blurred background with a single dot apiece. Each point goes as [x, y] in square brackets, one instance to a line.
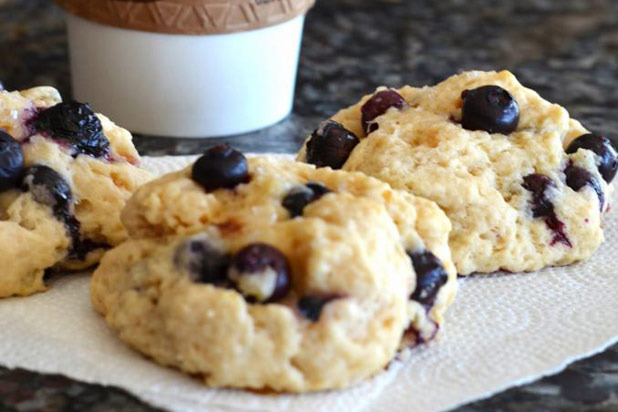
[567, 50]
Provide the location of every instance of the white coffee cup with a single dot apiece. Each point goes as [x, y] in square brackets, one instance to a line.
[186, 85]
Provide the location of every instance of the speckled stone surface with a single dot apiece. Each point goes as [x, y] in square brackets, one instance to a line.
[567, 50]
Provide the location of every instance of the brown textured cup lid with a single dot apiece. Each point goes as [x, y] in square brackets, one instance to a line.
[188, 16]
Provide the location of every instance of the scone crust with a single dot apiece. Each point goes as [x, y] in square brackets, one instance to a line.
[100, 188]
[350, 243]
[476, 177]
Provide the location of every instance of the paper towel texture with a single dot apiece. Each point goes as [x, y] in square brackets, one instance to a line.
[503, 330]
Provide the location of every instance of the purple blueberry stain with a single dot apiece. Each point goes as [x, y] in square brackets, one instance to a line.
[261, 273]
[220, 167]
[539, 186]
[559, 228]
[377, 105]
[413, 337]
[330, 145]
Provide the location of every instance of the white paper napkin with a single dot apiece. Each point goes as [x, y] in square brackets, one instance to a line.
[502, 331]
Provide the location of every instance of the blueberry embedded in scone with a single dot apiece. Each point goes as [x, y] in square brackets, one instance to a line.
[377, 105]
[202, 261]
[311, 306]
[220, 167]
[74, 124]
[258, 279]
[300, 196]
[48, 188]
[489, 108]
[330, 145]
[65, 175]
[578, 178]
[261, 273]
[607, 157]
[11, 161]
[524, 185]
[430, 277]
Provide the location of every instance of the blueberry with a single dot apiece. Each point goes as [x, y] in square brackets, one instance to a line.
[220, 167]
[539, 185]
[76, 124]
[311, 306]
[602, 146]
[260, 272]
[413, 337]
[11, 162]
[489, 108]
[204, 262]
[300, 196]
[330, 145]
[430, 277]
[49, 188]
[82, 247]
[318, 188]
[377, 105]
[577, 178]
[542, 207]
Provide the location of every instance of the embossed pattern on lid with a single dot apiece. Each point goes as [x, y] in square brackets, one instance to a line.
[188, 16]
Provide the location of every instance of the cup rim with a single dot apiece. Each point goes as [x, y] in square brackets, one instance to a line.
[187, 16]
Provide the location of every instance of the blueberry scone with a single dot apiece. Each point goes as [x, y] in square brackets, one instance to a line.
[272, 274]
[65, 175]
[524, 185]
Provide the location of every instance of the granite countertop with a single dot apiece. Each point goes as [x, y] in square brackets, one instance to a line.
[567, 50]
